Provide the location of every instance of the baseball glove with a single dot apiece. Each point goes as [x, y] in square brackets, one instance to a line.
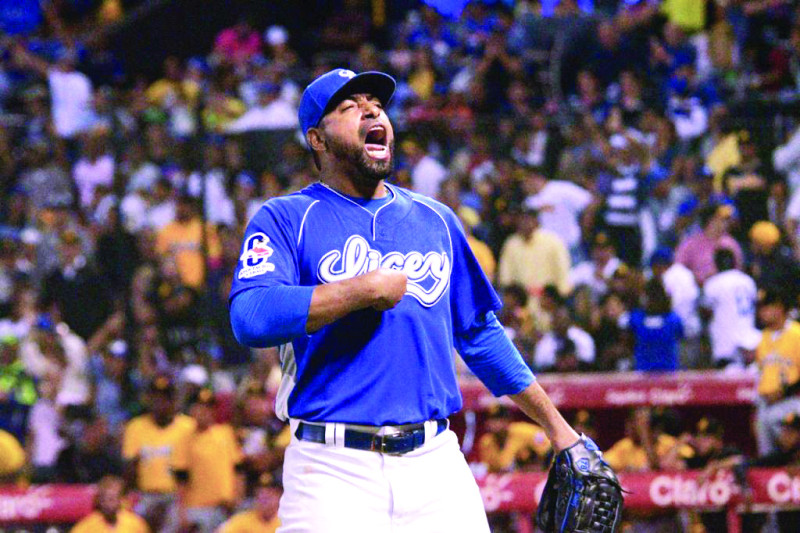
[582, 494]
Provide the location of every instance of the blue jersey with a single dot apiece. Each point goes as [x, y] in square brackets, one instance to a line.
[657, 339]
[372, 368]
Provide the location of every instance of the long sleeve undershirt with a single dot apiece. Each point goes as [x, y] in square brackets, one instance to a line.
[270, 316]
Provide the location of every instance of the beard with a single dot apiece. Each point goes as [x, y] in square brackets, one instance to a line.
[365, 170]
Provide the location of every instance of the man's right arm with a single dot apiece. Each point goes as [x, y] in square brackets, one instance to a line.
[269, 316]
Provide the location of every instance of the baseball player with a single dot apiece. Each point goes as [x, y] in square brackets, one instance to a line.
[368, 287]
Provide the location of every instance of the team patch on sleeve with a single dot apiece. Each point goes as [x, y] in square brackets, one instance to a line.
[255, 256]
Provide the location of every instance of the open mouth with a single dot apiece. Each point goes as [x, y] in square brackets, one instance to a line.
[376, 142]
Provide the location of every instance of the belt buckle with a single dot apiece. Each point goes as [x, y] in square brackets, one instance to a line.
[380, 442]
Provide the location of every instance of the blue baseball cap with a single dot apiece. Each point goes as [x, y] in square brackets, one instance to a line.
[662, 256]
[325, 92]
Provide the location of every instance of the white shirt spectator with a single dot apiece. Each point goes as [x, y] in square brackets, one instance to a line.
[537, 149]
[427, 175]
[14, 328]
[682, 288]
[219, 206]
[689, 117]
[253, 206]
[134, 212]
[159, 215]
[277, 115]
[584, 274]
[71, 97]
[547, 347]
[560, 203]
[89, 174]
[143, 177]
[44, 423]
[786, 159]
[731, 296]
[793, 212]
[74, 386]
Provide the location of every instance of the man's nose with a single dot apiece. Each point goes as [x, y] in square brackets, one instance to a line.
[370, 109]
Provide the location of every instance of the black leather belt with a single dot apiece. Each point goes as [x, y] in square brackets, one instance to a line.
[407, 440]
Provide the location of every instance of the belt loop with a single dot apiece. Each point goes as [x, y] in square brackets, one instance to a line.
[293, 424]
[330, 435]
[338, 434]
[431, 426]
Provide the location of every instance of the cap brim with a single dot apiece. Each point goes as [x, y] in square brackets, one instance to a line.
[377, 84]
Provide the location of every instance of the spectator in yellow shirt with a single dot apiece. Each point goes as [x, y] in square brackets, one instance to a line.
[182, 240]
[689, 15]
[469, 219]
[109, 515]
[778, 359]
[534, 258]
[12, 456]
[508, 445]
[263, 518]
[642, 448]
[148, 443]
[172, 87]
[209, 468]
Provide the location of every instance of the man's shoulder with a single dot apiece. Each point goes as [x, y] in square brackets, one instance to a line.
[679, 272]
[90, 522]
[131, 519]
[441, 209]
[794, 329]
[550, 237]
[417, 197]
[183, 422]
[693, 239]
[294, 202]
[138, 422]
[583, 268]
[730, 278]
[578, 334]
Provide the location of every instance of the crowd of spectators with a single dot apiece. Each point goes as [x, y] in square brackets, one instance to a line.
[592, 150]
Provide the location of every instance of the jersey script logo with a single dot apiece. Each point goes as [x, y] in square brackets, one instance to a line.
[255, 257]
[428, 275]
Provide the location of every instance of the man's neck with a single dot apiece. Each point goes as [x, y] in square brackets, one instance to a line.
[779, 325]
[356, 189]
[162, 422]
[111, 519]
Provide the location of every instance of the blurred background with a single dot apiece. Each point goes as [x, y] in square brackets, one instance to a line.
[628, 173]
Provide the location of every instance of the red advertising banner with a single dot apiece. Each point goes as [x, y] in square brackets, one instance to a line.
[628, 389]
[45, 504]
[506, 492]
[653, 490]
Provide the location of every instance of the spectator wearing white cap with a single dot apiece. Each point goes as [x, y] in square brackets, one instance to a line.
[560, 204]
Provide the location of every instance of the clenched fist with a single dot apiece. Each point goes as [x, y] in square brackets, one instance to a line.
[387, 287]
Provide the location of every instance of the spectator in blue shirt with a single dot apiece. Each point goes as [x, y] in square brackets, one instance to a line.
[656, 331]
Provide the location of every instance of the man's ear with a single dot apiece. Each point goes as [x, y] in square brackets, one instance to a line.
[316, 140]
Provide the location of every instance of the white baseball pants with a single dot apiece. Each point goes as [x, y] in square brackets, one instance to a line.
[330, 489]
